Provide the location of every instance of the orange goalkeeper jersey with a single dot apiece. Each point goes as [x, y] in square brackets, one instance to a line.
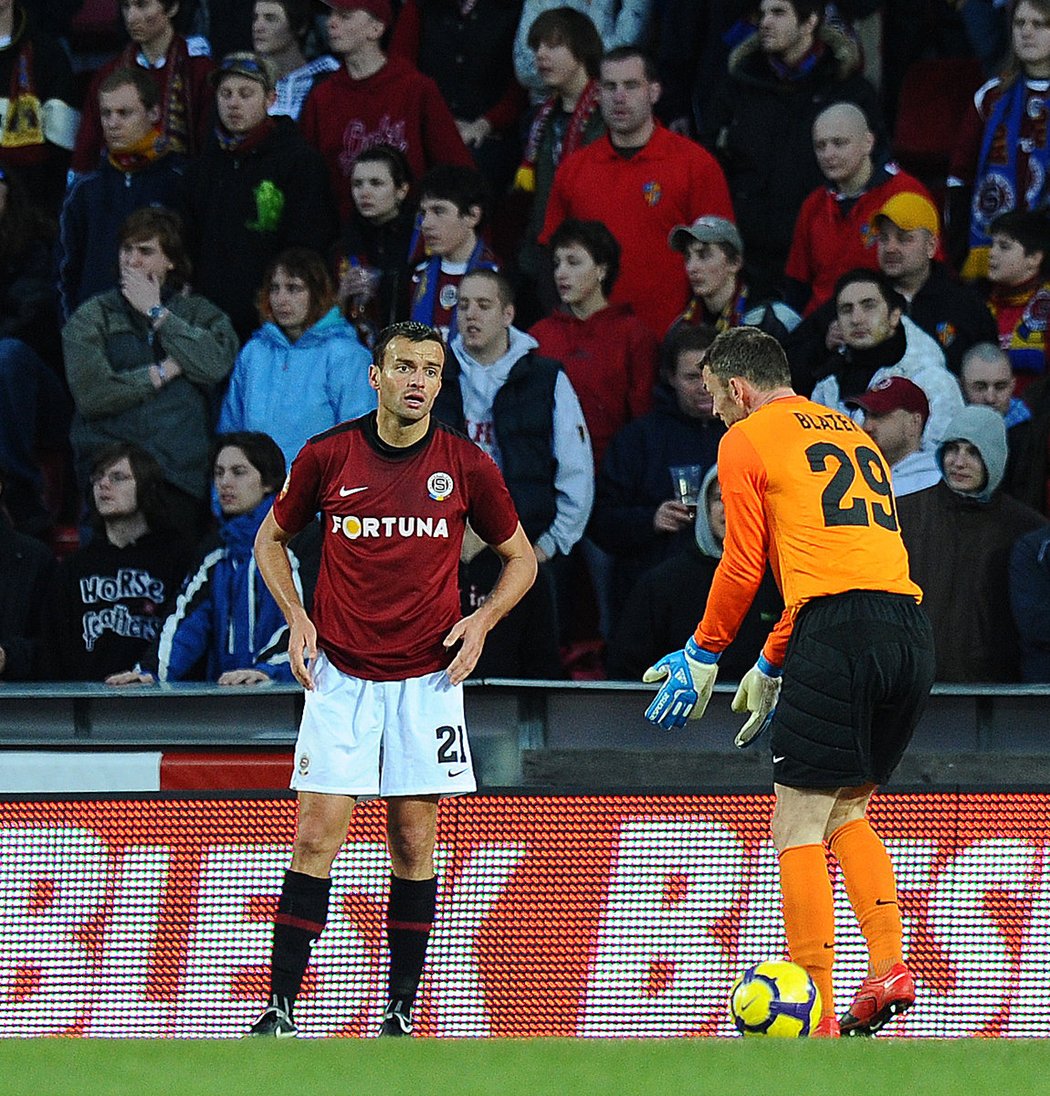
[806, 489]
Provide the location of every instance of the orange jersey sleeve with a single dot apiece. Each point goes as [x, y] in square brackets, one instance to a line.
[806, 489]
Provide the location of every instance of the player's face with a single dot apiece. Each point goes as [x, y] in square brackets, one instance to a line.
[410, 378]
[377, 197]
[241, 103]
[271, 31]
[446, 231]
[146, 20]
[349, 31]
[842, 146]
[780, 32]
[904, 255]
[146, 257]
[577, 277]
[1031, 39]
[556, 66]
[687, 380]
[990, 383]
[125, 121]
[721, 396]
[864, 316]
[709, 269]
[115, 491]
[893, 432]
[627, 97]
[483, 319]
[289, 302]
[964, 468]
[238, 482]
[1008, 262]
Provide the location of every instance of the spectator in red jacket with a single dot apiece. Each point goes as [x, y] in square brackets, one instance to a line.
[835, 232]
[640, 180]
[374, 99]
[608, 353]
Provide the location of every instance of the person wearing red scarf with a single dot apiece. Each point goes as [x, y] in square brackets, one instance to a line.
[180, 70]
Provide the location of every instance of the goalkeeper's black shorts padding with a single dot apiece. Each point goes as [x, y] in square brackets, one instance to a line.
[856, 677]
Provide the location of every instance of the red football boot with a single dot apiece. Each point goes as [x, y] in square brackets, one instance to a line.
[878, 1000]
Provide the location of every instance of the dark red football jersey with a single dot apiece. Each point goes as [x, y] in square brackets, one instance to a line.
[387, 593]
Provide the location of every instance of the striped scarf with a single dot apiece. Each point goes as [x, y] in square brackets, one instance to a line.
[586, 105]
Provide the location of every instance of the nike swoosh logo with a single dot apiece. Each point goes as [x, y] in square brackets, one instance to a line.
[884, 902]
[345, 491]
[458, 772]
[829, 947]
[777, 760]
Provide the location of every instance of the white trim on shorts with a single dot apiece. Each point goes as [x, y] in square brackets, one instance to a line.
[359, 737]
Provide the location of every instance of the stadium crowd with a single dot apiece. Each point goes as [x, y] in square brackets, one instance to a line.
[209, 211]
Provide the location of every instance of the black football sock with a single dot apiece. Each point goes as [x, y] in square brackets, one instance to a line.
[409, 918]
[301, 915]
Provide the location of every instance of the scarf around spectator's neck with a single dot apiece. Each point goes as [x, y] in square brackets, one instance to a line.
[996, 185]
[586, 105]
[141, 154]
[242, 143]
[802, 67]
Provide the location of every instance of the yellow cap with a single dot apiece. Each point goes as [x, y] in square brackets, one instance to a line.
[909, 211]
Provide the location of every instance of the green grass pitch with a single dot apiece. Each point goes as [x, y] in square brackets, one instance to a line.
[506, 1067]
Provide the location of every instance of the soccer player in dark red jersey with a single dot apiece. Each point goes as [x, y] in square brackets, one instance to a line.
[384, 655]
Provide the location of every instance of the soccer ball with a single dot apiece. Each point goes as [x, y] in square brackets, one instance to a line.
[775, 998]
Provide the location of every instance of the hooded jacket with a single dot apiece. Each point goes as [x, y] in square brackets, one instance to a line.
[663, 607]
[762, 127]
[529, 421]
[224, 613]
[959, 547]
[293, 390]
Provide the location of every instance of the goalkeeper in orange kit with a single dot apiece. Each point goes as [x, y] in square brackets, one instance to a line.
[845, 673]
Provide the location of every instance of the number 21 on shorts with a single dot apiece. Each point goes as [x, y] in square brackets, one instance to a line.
[452, 746]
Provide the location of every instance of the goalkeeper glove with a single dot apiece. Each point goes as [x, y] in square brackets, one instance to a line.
[688, 677]
[757, 694]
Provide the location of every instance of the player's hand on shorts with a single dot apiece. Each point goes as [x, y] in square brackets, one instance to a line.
[757, 694]
[688, 677]
[302, 648]
[470, 635]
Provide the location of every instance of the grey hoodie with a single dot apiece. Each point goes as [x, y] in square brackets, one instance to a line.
[705, 539]
[983, 428]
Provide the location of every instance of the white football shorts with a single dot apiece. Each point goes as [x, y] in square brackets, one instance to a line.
[382, 738]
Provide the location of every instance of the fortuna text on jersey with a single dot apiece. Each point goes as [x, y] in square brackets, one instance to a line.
[354, 528]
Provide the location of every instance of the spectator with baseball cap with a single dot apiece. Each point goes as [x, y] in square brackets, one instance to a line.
[375, 99]
[714, 257]
[895, 413]
[907, 235]
[257, 189]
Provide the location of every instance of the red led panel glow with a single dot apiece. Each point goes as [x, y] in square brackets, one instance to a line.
[557, 916]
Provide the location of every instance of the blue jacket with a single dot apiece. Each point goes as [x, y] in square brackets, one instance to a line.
[224, 612]
[95, 207]
[293, 391]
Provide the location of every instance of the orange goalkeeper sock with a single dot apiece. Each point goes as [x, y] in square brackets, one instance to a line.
[872, 889]
[809, 916]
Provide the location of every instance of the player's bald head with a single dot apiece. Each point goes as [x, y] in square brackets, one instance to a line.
[845, 118]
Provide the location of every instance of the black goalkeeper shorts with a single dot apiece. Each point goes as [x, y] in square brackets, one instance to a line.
[856, 677]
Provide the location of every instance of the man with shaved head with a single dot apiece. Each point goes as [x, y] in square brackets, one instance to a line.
[834, 231]
[761, 118]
